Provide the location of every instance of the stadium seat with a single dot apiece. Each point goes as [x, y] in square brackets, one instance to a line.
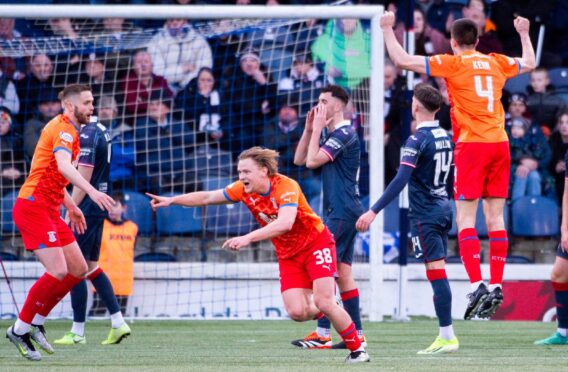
[8, 200]
[139, 211]
[480, 224]
[178, 220]
[535, 216]
[518, 84]
[453, 259]
[155, 257]
[559, 77]
[7, 256]
[211, 162]
[515, 259]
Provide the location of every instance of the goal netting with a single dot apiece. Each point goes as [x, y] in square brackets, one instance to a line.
[182, 97]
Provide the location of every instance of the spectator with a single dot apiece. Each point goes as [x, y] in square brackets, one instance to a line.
[283, 134]
[428, 40]
[8, 94]
[12, 170]
[140, 83]
[37, 84]
[48, 107]
[122, 163]
[559, 146]
[530, 158]
[302, 85]
[488, 40]
[344, 47]
[161, 142]
[179, 52]
[251, 98]
[95, 75]
[62, 27]
[13, 68]
[543, 105]
[201, 105]
[117, 255]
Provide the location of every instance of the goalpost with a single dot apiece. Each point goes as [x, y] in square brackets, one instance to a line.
[159, 285]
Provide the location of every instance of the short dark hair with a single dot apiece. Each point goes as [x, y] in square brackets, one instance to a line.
[337, 92]
[72, 90]
[464, 32]
[428, 96]
[118, 196]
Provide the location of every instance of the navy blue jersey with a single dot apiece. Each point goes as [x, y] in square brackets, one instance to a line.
[340, 175]
[565, 162]
[429, 152]
[95, 152]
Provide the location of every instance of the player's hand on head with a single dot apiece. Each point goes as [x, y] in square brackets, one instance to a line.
[310, 119]
[522, 25]
[365, 221]
[77, 220]
[387, 20]
[159, 201]
[320, 115]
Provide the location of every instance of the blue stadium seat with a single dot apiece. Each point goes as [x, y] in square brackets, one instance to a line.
[8, 200]
[155, 257]
[559, 77]
[227, 219]
[480, 224]
[139, 211]
[7, 256]
[518, 84]
[178, 220]
[535, 216]
[515, 259]
[210, 162]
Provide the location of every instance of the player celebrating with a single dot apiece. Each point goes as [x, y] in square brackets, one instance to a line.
[339, 157]
[482, 160]
[304, 246]
[36, 214]
[426, 162]
[94, 166]
[559, 277]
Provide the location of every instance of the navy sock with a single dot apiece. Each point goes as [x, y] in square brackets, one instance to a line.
[561, 294]
[442, 296]
[104, 289]
[79, 302]
[323, 322]
[350, 301]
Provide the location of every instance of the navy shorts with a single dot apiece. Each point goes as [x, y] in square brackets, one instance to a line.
[90, 241]
[430, 237]
[561, 253]
[344, 233]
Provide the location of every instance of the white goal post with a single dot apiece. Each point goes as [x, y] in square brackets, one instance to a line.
[367, 12]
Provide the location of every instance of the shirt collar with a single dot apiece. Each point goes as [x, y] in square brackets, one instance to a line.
[343, 123]
[428, 124]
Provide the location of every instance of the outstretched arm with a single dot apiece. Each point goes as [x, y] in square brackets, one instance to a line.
[192, 199]
[528, 60]
[397, 54]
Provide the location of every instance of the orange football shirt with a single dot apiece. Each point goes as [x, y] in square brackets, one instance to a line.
[283, 191]
[45, 183]
[475, 85]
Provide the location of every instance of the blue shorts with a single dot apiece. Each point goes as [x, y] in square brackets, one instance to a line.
[430, 237]
[344, 233]
[561, 253]
[90, 241]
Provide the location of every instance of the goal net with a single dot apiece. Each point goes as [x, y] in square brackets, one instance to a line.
[182, 93]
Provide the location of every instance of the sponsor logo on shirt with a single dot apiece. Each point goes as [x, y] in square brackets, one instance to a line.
[67, 137]
[333, 143]
[406, 151]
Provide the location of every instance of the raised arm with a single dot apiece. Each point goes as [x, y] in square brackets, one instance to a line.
[397, 54]
[192, 199]
[528, 60]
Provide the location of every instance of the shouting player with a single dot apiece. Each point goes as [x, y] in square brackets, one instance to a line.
[304, 246]
[36, 214]
[339, 158]
[426, 163]
[475, 82]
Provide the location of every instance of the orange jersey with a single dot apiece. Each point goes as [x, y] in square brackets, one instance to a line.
[284, 191]
[44, 182]
[475, 84]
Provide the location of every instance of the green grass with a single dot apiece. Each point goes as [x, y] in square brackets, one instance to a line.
[265, 346]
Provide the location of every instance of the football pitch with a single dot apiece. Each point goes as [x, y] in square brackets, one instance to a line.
[265, 346]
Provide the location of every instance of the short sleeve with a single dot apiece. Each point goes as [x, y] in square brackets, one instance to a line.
[234, 192]
[63, 139]
[441, 65]
[287, 194]
[88, 146]
[510, 66]
[334, 145]
[411, 151]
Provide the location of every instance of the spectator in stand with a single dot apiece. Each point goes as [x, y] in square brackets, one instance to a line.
[530, 159]
[12, 169]
[252, 99]
[122, 163]
[428, 40]
[303, 84]
[140, 83]
[543, 105]
[283, 134]
[201, 105]
[96, 77]
[179, 52]
[117, 255]
[35, 85]
[344, 47]
[488, 40]
[559, 146]
[518, 109]
[8, 94]
[161, 142]
[13, 68]
[48, 107]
